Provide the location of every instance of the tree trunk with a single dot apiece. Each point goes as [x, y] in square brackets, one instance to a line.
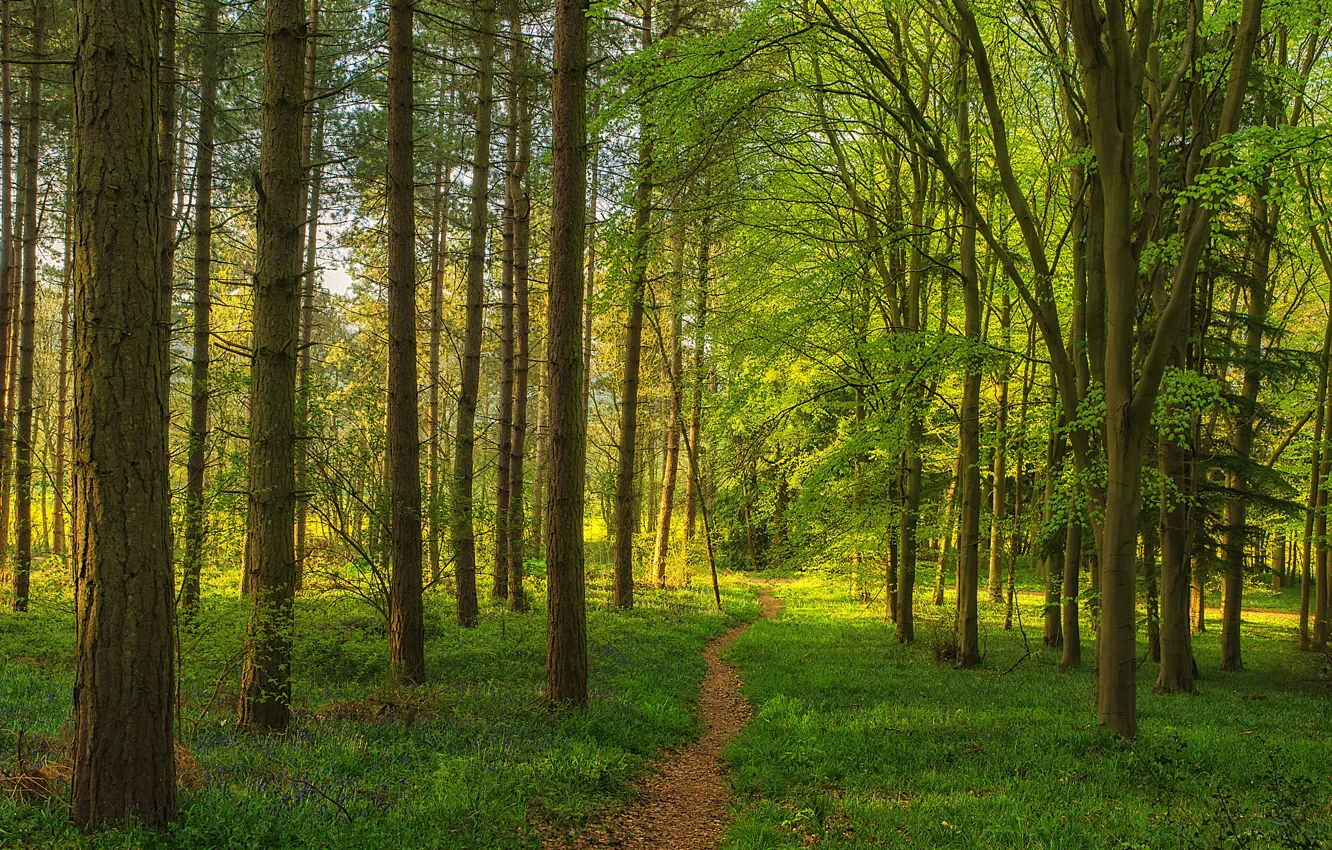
[406, 632]
[591, 260]
[439, 245]
[1264, 231]
[566, 623]
[312, 137]
[521, 256]
[1000, 504]
[28, 307]
[504, 442]
[674, 372]
[1315, 478]
[124, 767]
[968, 639]
[196, 463]
[62, 401]
[694, 444]
[622, 595]
[265, 700]
[166, 150]
[464, 539]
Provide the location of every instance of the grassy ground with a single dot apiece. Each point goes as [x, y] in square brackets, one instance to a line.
[472, 761]
[860, 742]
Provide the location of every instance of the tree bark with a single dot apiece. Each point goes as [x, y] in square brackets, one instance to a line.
[694, 445]
[622, 593]
[312, 137]
[124, 767]
[968, 639]
[566, 623]
[674, 361]
[1000, 504]
[196, 463]
[406, 630]
[522, 221]
[27, 325]
[464, 539]
[62, 401]
[265, 698]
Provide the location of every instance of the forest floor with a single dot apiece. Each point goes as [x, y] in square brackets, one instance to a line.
[852, 739]
[684, 801]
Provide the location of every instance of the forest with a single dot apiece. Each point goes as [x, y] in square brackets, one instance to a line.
[669, 424]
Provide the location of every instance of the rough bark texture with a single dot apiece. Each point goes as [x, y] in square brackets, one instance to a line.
[196, 462]
[406, 632]
[566, 624]
[265, 699]
[312, 133]
[124, 765]
[499, 589]
[23, 442]
[521, 257]
[622, 593]
[463, 533]
[674, 364]
[968, 639]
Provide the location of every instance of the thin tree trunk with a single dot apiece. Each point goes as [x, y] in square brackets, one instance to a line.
[566, 622]
[265, 697]
[693, 495]
[674, 372]
[439, 246]
[464, 538]
[522, 220]
[62, 400]
[504, 443]
[622, 593]
[166, 152]
[124, 766]
[28, 307]
[968, 639]
[406, 630]
[196, 464]
[1000, 505]
[312, 136]
[591, 259]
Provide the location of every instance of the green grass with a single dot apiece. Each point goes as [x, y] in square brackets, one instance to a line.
[860, 742]
[471, 761]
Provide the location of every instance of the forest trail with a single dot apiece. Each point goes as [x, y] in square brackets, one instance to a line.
[683, 804]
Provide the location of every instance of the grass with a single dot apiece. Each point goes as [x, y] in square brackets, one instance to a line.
[860, 742]
[471, 761]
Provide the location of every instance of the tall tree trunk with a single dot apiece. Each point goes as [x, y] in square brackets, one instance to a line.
[566, 622]
[124, 766]
[406, 630]
[312, 136]
[464, 537]
[439, 246]
[196, 464]
[504, 440]
[591, 239]
[28, 307]
[265, 697]
[996, 584]
[622, 594]
[674, 361]
[166, 151]
[1264, 231]
[62, 400]
[540, 437]
[1315, 476]
[968, 639]
[694, 445]
[522, 220]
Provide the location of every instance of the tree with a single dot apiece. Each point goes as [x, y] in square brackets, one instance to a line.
[406, 632]
[196, 465]
[124, 765]
[566, 624]
[265, 700]
[464, 537]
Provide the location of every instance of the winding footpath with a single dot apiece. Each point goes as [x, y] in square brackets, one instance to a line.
[684, 804]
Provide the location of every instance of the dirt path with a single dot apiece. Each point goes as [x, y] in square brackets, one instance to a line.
[683, 804]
